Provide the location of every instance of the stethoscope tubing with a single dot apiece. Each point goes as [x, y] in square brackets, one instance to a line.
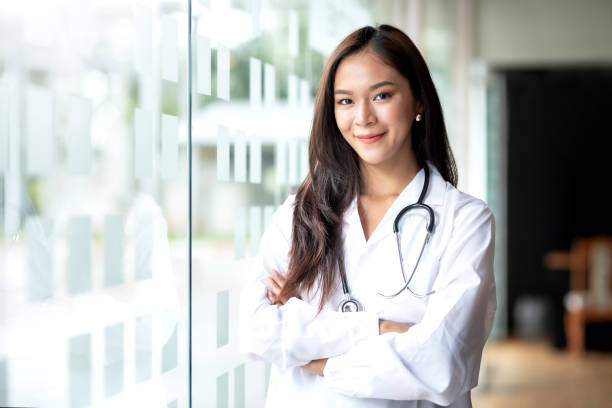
[396, 230]
[407, 281]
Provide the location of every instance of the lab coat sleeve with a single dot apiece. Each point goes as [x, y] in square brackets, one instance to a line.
[293, 334]
[437, 359]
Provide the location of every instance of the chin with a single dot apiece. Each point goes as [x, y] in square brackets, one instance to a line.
[372, 160]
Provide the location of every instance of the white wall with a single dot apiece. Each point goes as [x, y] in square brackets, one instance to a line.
[544, 31]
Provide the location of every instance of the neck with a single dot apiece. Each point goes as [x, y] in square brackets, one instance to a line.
[387, 179]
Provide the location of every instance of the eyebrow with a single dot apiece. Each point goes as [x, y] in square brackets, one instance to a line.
[373, 87]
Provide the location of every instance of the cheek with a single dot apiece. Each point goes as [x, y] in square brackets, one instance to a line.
[399, 116]
[394, 113]
[343, 120]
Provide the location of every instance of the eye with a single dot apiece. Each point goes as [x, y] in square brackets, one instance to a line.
[345, 101]
[381, 96]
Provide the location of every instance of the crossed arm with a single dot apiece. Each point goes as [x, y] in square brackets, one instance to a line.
[274, 284]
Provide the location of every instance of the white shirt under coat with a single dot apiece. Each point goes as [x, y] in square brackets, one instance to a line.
[436, 362]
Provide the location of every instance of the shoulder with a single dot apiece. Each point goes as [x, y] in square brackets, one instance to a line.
[463, 208]
[467, 233]
[453, 203]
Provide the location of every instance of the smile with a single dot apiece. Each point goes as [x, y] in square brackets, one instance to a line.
[367, 139]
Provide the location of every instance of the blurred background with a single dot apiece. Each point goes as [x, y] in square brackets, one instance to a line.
[130, 166]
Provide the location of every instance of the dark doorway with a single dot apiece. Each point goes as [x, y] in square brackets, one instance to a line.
[559, 168]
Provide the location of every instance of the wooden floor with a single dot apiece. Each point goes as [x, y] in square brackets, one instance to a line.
[534, 374]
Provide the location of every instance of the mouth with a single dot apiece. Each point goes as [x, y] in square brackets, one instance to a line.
[371, 138]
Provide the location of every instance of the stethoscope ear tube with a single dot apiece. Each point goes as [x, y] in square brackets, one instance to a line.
[418, 204]
[430, 223]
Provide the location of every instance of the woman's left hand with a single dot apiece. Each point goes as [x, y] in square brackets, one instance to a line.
[274, 283]
[315, 366]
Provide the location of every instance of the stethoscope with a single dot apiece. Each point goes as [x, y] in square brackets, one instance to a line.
[350, 304]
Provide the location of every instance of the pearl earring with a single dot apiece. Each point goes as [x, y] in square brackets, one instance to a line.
[418, 117]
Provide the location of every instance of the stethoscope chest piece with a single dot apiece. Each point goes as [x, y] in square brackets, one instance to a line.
[350, 305]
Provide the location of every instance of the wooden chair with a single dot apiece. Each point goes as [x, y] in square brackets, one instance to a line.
[587, 301]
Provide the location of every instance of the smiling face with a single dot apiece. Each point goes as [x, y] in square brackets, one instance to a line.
[374, 109]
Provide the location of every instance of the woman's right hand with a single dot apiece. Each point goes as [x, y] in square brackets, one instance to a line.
[388, 326]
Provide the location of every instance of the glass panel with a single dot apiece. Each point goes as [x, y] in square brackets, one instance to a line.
[94, 179]
[93, 203]
[249, 154]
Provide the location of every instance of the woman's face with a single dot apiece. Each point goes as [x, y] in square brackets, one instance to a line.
[374, 109]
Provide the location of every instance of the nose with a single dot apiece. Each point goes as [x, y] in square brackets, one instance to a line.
[365, 115]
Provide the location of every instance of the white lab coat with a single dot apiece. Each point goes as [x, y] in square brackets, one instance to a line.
[435, 362]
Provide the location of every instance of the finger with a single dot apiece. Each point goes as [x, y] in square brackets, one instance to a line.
[272, 285]
[279, 278]
[271, 297]
[278, 281]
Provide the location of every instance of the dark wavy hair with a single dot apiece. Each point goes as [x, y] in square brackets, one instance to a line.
[317, 256]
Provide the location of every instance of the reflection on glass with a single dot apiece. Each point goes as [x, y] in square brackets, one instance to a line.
[170, 348]
[113, 250]
[143, 348]
[143, 38]
[268, 214]
[223, 153]
[240, 157]
[40, 141]
[113, 359]
[222, 318]
[254, 82]
[39, 259]
[203, 61]
[254, 160]
[93, 203]
[169, 146]
[4, 128]
[239, 388]
[255, 231]
[223, 72]
[223, 391]
[292, 91]
[281, 162]
[78, 137]
[240, 233]
[4, 386]
[80, 370]
[79, 255]
[294, 30]
[169, 49]
[143, 244]
[293, 162]
[143, 143]
[269, 85]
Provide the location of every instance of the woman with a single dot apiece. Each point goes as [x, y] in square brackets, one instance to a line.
[378, 144]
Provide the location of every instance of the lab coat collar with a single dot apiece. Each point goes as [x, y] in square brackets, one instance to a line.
[434, 197]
